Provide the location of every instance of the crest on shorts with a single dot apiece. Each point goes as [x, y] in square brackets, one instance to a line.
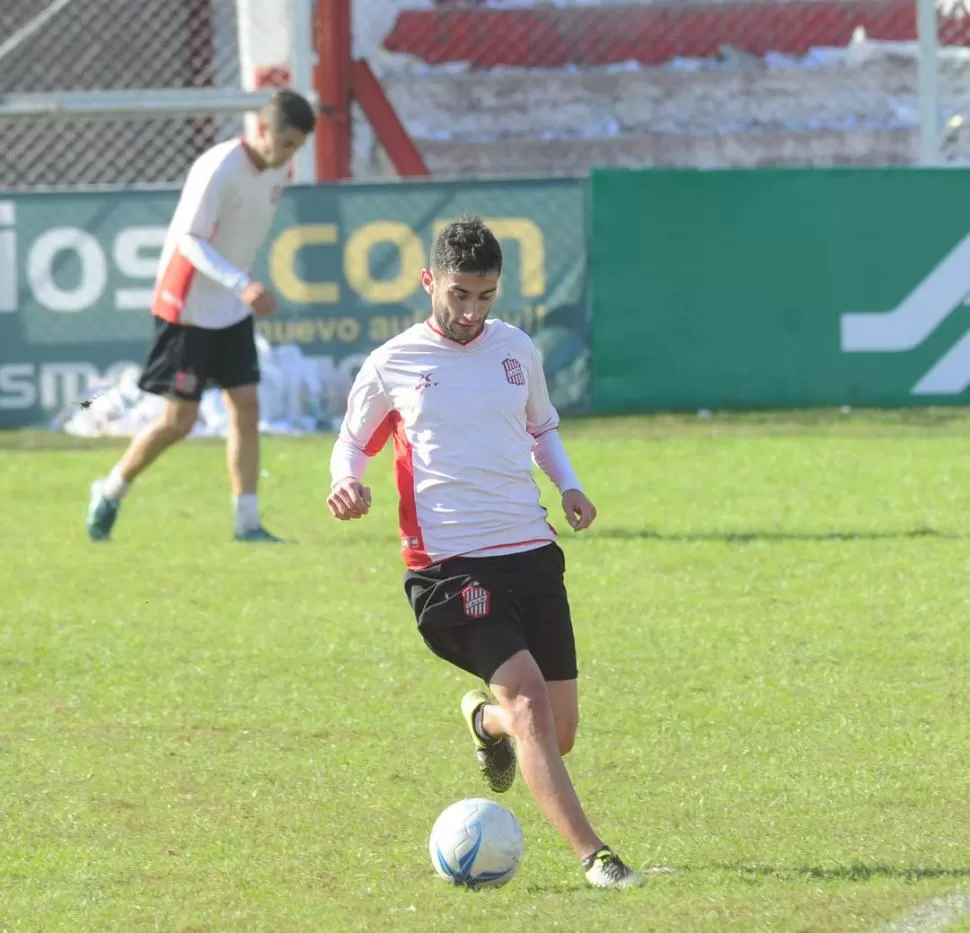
[186, 382]
[476, 600]
[513, 371]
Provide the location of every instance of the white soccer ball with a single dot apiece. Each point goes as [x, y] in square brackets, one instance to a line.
[476, 843]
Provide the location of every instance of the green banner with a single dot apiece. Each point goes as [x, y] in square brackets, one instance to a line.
[779, 288]
[76, 276]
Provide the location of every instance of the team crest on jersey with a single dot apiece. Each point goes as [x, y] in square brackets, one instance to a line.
[513, 371]
[426, 382]
[476, 600]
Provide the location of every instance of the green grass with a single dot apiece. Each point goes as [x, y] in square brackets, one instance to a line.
[772, 623]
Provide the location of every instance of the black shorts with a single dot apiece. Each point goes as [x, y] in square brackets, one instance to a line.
[476, 612]
[184, 361]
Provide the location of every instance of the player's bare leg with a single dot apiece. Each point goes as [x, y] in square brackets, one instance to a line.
[490, 729]
[175, 423]
[242, 461]
[525, 702]
[520, 689]
[242, 446]
[564, 697]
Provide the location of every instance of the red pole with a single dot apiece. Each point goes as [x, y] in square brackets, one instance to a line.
[391, 132]
[333, 80]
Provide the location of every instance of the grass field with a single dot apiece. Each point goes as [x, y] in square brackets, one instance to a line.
[772, 617]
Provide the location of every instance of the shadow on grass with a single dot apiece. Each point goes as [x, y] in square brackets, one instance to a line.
[805, 422]
[854, 871]
[750, 537]
[30, 441]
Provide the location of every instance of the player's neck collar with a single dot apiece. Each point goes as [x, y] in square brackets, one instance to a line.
[474, 342]
[254, 159]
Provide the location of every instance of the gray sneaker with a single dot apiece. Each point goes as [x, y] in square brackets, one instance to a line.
[102, 513]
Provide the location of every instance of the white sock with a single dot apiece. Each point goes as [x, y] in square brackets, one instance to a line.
[115, 486]
[247, 512]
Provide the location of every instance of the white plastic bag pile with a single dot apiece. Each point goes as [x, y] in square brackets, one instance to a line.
[297, 395]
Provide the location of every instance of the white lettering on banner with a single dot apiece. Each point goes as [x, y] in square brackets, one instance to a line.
[64, 383]
[950, 375]
[40, 269]
[908, 325]
[8, 259]
[129, 254]
[134, 256]
[52, 386]
[17, 387]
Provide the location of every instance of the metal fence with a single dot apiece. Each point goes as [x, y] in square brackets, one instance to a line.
[799, 82]
[506, 90]
[84, 55]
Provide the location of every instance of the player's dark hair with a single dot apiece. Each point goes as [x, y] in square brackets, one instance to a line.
[466, 245]
[289, 110]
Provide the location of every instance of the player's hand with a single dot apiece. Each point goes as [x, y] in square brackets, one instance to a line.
[580, 512]
[350, 498]
[262, 302]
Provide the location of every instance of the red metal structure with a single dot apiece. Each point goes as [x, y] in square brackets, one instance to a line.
[339, 81]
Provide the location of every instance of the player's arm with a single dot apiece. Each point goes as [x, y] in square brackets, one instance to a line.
[208, 194]
[365, 429]
[549, 452]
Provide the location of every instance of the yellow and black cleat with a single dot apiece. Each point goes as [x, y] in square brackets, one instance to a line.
[496, 757]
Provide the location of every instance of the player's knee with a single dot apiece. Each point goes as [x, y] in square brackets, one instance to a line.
[566, 736]
[530, 712]
[179, 421]
[244, 412]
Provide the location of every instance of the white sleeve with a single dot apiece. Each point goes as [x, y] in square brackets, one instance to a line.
[203, 196]
[549, 454]
[542, 422]
[212, 264]
[540, 413]
[206, 191]
[366, 426]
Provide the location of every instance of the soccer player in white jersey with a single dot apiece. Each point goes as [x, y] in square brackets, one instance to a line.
[204, 304]
[466, 403]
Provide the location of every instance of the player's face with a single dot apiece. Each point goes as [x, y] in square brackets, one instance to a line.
[461, 301]
[278, 147]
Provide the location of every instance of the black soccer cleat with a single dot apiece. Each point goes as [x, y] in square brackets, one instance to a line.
[496, 759]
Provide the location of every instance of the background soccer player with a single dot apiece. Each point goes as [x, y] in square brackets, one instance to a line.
[204, 305]
[466, 401]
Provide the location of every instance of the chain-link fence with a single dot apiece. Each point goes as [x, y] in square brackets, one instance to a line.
[487, 90]
[119, 45]
[951, 82]
[562, 88]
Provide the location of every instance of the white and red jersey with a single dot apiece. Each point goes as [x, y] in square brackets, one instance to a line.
[466, 420]
[228, 204]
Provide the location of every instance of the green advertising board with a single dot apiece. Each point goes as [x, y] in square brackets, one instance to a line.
[769, 288]
[76, 276]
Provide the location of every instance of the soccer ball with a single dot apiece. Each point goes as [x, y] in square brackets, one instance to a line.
[476, 843]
